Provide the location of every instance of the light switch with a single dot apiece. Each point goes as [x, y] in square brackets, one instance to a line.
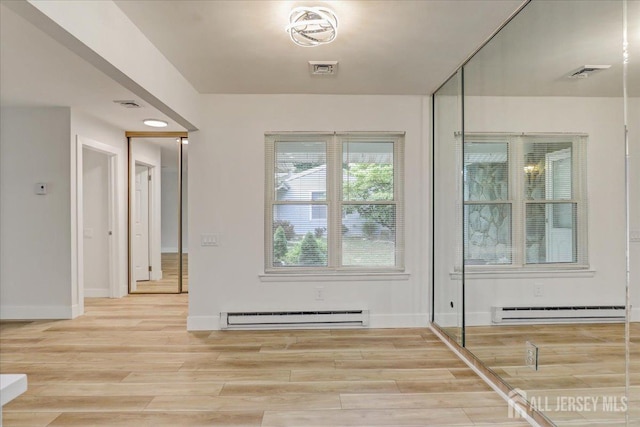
[88, 233]
[208, 240]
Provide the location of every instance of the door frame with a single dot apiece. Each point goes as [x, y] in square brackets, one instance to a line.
[114, 155]
[131, 170]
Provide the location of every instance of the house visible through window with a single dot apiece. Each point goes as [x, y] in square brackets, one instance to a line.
[334, 201]
[525, 200]
[318, 211]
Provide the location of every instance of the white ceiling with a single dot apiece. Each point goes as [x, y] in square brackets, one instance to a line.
[36, 70]
[534, 54]
[383, 47]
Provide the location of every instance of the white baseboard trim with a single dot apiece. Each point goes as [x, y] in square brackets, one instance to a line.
[96, 293]
[75, 311]
[203, 323]
[448, 320]
[481, 318]
[172, 250]
[383, 321]
[379, 321]
[37, 312]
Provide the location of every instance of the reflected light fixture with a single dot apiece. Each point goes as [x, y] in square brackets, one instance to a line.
[155, 123]
[312, 26]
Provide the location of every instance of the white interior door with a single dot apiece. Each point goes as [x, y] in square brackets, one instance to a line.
[141, 223]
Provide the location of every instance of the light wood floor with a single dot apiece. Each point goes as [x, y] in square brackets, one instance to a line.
[169, 281]
[576, 360]
[130, 362]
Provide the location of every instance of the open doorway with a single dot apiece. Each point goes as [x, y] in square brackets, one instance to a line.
[99, 242]
[157, 219]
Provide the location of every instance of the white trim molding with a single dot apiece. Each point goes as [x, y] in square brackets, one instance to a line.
[38, 312]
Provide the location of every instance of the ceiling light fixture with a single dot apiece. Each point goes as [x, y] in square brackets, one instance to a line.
[312, 26]
[155, 123]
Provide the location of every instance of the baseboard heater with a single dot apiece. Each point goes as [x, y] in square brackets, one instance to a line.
[581, 313]
[294, 319]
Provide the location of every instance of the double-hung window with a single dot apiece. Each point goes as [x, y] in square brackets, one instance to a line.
[334, 202]
[525, 200]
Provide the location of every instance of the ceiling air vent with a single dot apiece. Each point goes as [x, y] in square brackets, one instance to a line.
[323, 68]
[128, 103]
[586, 70]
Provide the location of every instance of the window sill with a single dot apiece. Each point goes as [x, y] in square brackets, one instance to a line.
[334, 277]
[575, 272]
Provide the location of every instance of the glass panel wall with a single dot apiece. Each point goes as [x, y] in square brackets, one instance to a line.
[632, 120]
[543, 218]
[447, 209]
[158, 237]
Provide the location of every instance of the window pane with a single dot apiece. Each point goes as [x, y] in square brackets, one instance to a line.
[551, 232]
[548, 171]
[367, 171]
[487, 234]
[318, 211]
[368, 235]
[300, 169]
[297, 240]
[486, 171]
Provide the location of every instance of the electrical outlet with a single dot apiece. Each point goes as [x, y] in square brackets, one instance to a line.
[531, 355]
[319, 293]
[537, 290]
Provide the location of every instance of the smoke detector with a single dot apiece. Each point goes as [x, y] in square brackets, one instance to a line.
[323, 68]
[128, 103]
[586, 70]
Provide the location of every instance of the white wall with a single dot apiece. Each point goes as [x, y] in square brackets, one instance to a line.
[149, 154]
[96, 223]
[447, 233]
[101, 33]
[601, 119]
[226, 168]
[90, 130]
[35, 256]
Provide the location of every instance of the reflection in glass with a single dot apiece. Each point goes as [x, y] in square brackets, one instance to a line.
[551, 233]
[156, 221]
[448, 298]
[185, 214]
[487, 233]
[520, 86]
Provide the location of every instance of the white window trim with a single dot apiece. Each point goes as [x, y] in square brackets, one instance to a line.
[334, 203]
[515, 163]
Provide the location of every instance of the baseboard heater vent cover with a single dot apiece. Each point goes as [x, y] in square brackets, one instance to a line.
[294, 319]
[607, 313]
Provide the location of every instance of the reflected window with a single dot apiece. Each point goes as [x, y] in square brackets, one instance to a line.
[524, 200]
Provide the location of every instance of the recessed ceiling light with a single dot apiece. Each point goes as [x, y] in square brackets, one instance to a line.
[312, 26]
[155, 123]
